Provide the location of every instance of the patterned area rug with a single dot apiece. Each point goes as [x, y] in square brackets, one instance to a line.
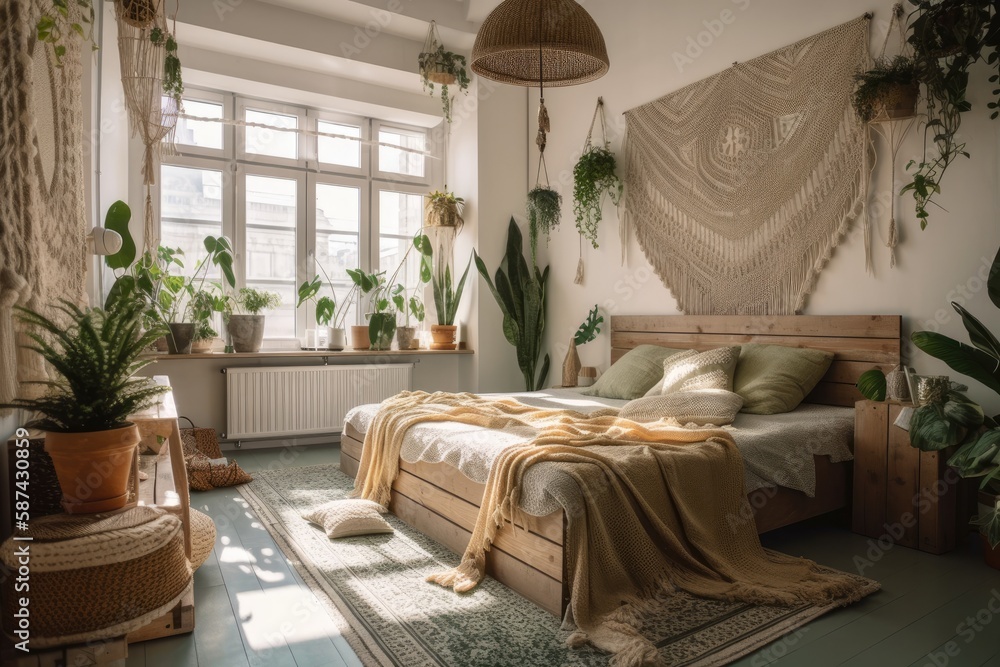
[374, 588]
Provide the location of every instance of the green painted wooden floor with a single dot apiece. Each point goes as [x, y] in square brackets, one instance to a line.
[253, 609]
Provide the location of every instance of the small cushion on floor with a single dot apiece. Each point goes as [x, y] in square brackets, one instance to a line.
[346, 518]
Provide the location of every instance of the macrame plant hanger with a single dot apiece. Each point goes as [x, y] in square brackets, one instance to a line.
[598, 110]
[893, 128]
[544, 126]
[152, 115]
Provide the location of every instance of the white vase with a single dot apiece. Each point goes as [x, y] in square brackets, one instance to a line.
[336, 339]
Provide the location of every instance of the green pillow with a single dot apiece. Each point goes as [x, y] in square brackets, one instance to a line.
[690, 370]
[632, 376]
[775, 378]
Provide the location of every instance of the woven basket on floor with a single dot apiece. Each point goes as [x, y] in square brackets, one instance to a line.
[98, 576]
[202, 537]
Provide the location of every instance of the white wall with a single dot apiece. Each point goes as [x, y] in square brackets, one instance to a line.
[643, 36]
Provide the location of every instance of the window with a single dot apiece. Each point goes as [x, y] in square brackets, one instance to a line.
[296, 204]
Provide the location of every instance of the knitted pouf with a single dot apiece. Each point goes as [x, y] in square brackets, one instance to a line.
[98, 576]
[202, 537]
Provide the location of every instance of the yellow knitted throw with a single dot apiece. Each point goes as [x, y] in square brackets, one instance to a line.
[659, 507]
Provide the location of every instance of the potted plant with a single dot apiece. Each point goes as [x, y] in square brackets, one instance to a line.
[364, 283]
[382, 318]
[544, 213]
[406, 335]
[329, 313]
[593, 177]
[961, 422]
[57, 20]
[204, 304]
[887, 91]
[415, 305]
[176, 296]
[519, 290]
[442, 67]
[446, 299]
[95, 355]
[246, 328]
[947, 38]
[444, 209]
[586, 332]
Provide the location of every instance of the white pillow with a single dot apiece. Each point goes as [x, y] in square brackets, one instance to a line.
[345, 518]
[689, 370]
[700, 407]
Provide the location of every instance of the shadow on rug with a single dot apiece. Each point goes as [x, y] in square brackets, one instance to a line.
[376, 584]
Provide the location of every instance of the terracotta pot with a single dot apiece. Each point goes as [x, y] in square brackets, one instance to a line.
[359, 338]
[161, 344]
[247, 332]
[93, 468]
[180, 338]
[336, 339]
[444, 336]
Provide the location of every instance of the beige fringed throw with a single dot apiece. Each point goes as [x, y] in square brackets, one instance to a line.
[655, 518]
[42, 218]
[740, 186]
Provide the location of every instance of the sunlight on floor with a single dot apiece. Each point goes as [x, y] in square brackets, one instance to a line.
[282, 614]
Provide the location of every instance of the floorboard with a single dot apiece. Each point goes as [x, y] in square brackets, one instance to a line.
[247, 591]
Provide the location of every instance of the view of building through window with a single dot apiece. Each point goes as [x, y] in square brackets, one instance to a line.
[356, 219]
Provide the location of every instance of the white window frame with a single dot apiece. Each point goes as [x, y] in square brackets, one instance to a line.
[228, 131]
[314, 117]
[194, 162]
[244, 103]
[430, 170]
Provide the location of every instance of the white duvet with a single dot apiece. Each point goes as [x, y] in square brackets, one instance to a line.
[777, 450]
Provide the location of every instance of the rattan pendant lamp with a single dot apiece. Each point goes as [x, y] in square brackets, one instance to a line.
[528, 42]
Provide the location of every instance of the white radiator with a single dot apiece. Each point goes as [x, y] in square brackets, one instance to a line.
[271, 402]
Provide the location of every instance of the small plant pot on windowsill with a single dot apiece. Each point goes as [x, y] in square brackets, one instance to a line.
[405, 337]
[444, 336]
[181, 337]
[336, 339]
[93, 468]
[359, 338]
[202, 346]
[247, 332]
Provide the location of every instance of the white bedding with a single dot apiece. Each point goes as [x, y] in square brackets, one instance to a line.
[777, 450]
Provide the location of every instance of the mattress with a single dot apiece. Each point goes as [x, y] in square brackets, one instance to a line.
[777, 450]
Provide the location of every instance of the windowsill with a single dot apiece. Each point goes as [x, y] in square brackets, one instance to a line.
[304, 353]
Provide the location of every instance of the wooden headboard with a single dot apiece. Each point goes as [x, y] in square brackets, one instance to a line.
[859, 342]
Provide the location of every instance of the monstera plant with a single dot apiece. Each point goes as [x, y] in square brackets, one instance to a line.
[519, 290]
[960, 422]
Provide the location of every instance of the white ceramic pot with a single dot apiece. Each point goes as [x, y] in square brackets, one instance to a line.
[336, 339]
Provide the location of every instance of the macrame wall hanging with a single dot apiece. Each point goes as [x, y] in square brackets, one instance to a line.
[143, 41]
[42, 211]
[740, 186]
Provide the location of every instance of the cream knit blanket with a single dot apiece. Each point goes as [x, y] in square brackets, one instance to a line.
[655, 516]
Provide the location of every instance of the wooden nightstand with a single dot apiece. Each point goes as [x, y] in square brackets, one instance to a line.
[899, 491]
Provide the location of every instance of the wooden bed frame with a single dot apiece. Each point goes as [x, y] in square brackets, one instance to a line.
[442, 503]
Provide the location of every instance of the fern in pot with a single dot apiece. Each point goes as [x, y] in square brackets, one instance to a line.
[95, 355]
[246, 328]
[887, 91]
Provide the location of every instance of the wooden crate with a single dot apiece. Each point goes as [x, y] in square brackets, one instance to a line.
[900, 492]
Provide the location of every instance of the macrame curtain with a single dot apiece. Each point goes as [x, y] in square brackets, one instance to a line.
[42, 218]
[740, 186]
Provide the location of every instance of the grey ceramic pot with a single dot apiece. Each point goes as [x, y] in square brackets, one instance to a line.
[180, 338]
[247, 332]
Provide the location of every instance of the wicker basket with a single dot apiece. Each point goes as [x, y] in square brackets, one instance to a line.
[97, 577]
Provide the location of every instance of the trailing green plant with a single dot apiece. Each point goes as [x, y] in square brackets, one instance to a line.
[255, 301]
[56, 22]
[959, 421]
[439, 61]
[948, 37]
[544, 213]
[593, 177]
[96, 355]
[447, 296]
[590, 328]
[520, 293]
[173, 83]
[874, 85]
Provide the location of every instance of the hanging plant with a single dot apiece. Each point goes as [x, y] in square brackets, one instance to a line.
[173, 84]
[593, 177]
[544, 213]
[888, 90]
[438, 66]
[57, 22]
[947, 37]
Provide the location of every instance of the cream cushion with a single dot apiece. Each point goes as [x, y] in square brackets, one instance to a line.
[346, 518]
[689, 370]
[700, 407]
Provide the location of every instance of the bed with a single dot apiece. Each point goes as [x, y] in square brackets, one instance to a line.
[437, 491]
